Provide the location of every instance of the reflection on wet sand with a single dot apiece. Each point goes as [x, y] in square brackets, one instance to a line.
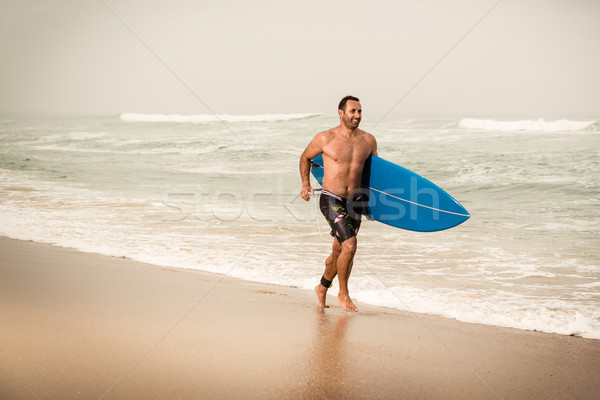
[327, 359]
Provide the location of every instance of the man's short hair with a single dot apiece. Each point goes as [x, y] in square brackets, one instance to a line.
[342, 105]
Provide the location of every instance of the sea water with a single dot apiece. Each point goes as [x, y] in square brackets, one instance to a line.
[221, 194]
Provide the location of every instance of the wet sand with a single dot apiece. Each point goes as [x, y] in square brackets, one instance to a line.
[79, 325]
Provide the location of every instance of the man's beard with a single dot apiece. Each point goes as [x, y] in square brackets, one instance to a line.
[352, 122]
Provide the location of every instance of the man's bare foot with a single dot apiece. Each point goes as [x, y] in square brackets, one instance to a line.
[346, 303]
[321, 292]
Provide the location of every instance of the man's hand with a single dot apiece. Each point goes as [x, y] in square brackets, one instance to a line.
[305, 191]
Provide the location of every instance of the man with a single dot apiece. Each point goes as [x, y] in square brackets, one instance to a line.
[345, 149]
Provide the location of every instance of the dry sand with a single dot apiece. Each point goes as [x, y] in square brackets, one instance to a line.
[86, 326]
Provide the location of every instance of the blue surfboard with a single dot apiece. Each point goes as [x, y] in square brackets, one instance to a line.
[400, 198]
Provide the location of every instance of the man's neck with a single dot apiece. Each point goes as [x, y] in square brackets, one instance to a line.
[347, 132]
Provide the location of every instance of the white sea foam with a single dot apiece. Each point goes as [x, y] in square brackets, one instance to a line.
[81, 135]
[525, 125]
[208, 118]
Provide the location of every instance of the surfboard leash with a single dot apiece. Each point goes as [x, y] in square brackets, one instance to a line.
[417, 204]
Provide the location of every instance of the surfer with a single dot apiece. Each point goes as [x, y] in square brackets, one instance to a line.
[345, 149]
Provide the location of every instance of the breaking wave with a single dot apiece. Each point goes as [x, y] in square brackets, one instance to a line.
[527, 125]
[208, 118]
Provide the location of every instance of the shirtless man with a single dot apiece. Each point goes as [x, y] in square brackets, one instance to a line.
[345, 149]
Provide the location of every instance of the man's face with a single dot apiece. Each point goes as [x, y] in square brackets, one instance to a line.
[352, 115]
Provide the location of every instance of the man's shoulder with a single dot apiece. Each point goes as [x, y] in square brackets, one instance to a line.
[365, 133]
[367, 136]
[327, 134]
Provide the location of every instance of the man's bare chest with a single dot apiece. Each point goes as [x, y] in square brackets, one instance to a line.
[347, 151]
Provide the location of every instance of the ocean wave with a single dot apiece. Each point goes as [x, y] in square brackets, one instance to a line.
[526, 125]
[207, 118]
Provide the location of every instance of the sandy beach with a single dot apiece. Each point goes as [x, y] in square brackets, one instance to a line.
[79, 325]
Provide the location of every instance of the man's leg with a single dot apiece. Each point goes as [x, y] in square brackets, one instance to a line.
[344, 266]
[329, 273]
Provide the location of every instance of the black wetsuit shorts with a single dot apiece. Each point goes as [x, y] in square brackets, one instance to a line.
[343, 215]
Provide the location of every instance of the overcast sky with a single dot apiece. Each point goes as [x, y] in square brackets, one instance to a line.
[524, 58]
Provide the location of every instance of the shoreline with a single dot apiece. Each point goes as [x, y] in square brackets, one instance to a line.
[93, 326]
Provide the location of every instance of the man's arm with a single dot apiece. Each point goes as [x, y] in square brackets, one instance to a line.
[314, 148]
[373, 142]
